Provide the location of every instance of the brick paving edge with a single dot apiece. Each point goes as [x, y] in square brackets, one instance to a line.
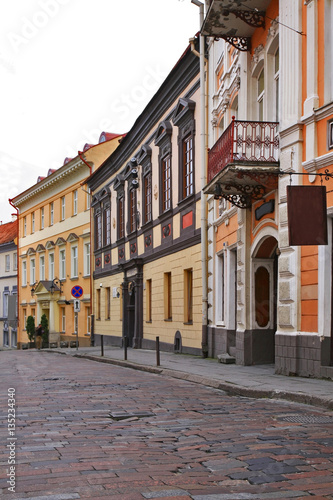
[230, 389]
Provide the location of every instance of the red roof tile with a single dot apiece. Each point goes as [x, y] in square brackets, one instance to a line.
[8, 232]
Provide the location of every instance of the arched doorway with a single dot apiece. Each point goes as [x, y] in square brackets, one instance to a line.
[264, 300]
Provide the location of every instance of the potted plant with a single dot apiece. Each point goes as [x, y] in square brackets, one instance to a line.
[30, 328]
[45, 325]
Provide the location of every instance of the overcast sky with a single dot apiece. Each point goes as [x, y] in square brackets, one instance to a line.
[70, 69]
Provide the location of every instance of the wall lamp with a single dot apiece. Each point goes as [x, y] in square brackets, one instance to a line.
[33, 289]
[56, 286]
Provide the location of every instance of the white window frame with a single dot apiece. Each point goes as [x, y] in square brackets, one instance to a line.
[63, 207]
[62, 263]
[24, 226]
[225, 287]
[51, 266]
[42, 218]
[32, 271]
[33, 222]
[63, 319]
[75, 202]
[42, 267]
[74, 262]
[7, 263]
[15, 261]
[87, 259]
[24, 273]
[51, 213]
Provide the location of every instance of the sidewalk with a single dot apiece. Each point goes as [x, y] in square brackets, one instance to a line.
[252, 381]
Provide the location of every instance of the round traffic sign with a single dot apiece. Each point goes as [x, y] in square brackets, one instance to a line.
[77, 291]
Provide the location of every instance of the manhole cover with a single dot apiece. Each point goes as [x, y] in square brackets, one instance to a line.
[307, 419]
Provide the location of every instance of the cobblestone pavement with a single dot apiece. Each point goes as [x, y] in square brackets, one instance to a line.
[92, 430]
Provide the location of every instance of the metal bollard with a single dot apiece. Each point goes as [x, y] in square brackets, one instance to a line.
[158, 351]
[102, 345]
[125, 348]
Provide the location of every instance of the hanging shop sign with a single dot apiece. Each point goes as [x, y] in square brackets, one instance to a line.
[307, 215]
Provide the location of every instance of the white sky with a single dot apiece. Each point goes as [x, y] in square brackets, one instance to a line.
[70, 69]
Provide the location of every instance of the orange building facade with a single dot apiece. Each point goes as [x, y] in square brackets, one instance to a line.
[270, 116]
[54, 248]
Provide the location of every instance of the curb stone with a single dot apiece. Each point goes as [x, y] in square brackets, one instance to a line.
[229, 388]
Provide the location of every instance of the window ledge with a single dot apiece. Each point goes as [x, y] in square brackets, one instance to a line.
[150, 321]
[168, 320]
[188, 323]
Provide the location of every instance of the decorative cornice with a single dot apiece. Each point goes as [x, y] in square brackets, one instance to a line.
[317, 163]
[58, 176]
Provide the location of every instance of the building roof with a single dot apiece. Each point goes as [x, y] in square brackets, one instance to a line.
[8, 232]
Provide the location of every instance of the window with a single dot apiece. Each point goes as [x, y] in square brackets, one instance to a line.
[98, 229]
[107, 225]
[75, 268]
[62, 264]
[98, 303]
[132, 210]
[88, 320]
[42, 218]
[261, 92]
[24, 318]
[33, 222]
[87, 259]
[167, 296]
[276, 78]
[24, 273]
[188, 296]
[15, 261]
[148, 301]
[7, 263]
[51, 266]
[24, 226]
[51, 214]
[121, 221]
[184, 120]
[32, 271]
[75, 202]
[5, 305]
[62, 208]
[187, 166]
[42, 267]
[107, 302]
[63, 319]
[166, 183]
[220, 288]
[147, 198]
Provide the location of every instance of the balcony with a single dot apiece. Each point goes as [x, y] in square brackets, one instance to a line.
[235, 21]
[243, 165]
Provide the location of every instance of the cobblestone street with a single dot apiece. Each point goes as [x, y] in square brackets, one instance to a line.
[92, 430]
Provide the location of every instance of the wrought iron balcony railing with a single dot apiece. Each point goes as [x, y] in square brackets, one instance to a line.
[244, 142]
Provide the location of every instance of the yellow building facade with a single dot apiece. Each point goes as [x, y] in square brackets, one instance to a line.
[54, 249]
[147, 280]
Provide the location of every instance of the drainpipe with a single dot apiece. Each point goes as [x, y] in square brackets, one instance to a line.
[92, 338]
[204, 252]
[17, 266]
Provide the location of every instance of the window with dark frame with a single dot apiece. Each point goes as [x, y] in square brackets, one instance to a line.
[188, 166]
[148, 198]
[166, 183]
[132, 210]
[98, 230]
[107, 225]
[184, 120]
[121, 221]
